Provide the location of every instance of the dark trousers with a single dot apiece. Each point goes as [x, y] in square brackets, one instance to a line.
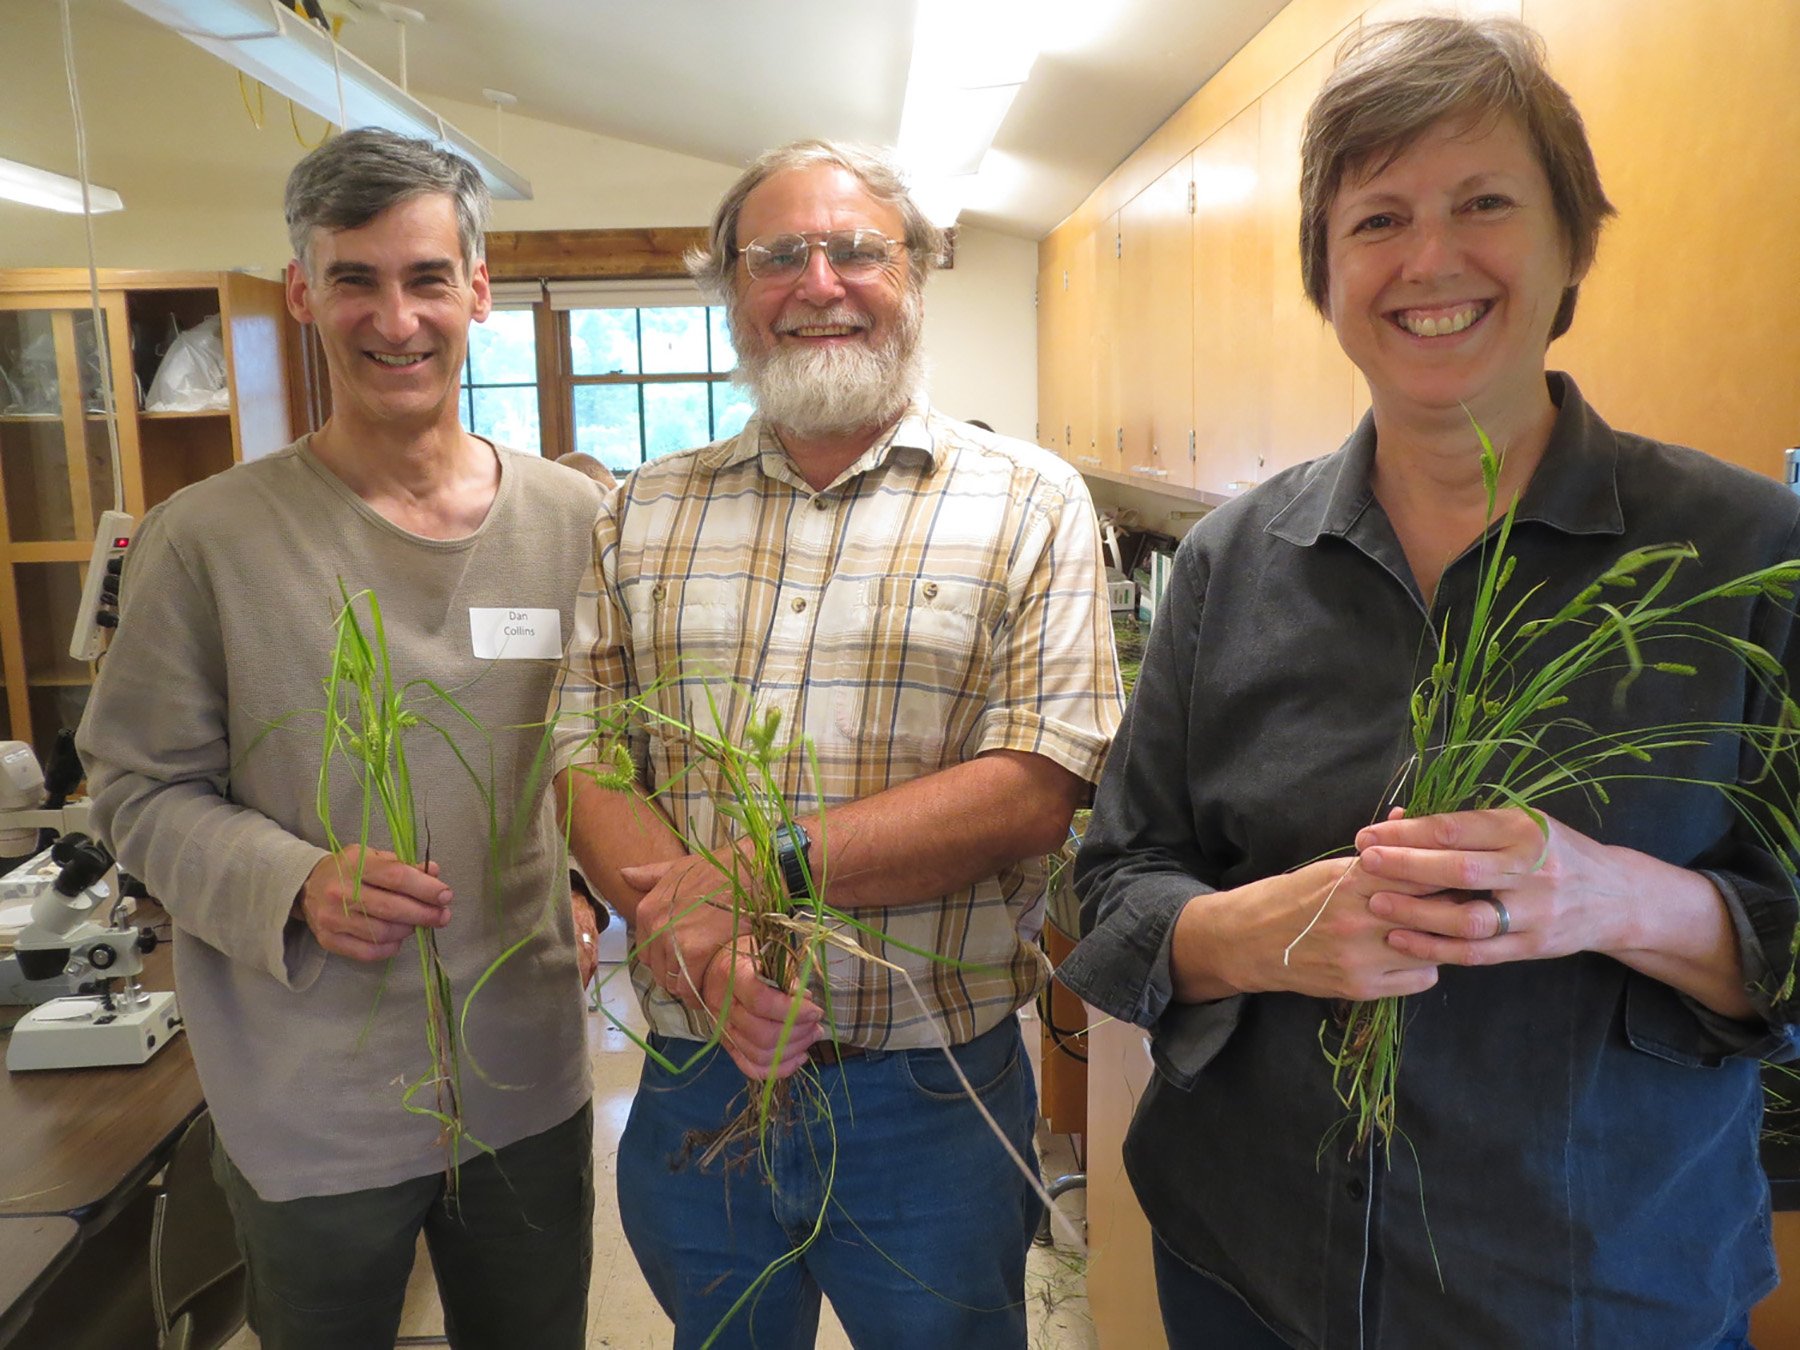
[512, 1252]
[1199, 1313]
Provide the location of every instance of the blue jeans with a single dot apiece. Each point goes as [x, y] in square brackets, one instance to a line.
[923, 1225]
[511, 1253]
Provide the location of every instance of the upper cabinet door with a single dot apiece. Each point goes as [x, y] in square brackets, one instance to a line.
[1233, 350]
[1311, 389]
[1155, 348]
[1685, 330]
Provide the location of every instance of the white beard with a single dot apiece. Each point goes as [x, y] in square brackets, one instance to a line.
[835, 391]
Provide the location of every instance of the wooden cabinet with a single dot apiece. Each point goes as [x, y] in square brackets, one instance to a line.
[1209, 368]
[1310, 390]
[1054, 331]
[1685, 328]
[1105, 318]
[1121, 1291]
[1076, 331]
[1677, 335]
[1155, 350]
[1231, 319]
[57, 467]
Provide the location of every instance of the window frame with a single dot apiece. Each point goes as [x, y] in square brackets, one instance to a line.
[615, 255]
[640, 380]
[467, 385]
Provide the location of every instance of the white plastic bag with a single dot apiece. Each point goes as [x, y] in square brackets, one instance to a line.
[191, 377]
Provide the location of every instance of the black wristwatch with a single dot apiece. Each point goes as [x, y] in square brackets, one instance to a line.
[791, 844]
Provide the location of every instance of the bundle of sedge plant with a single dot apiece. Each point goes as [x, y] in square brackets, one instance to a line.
[366, 723]
[1486, 734]
[789, 937]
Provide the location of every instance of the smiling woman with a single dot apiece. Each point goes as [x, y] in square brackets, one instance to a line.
[1584, 986]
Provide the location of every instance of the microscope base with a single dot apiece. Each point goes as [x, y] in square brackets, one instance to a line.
[78, 1033]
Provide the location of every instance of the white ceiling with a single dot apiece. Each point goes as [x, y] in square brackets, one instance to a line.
[725, 79]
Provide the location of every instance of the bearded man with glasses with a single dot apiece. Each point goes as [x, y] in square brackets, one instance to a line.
[924, 601]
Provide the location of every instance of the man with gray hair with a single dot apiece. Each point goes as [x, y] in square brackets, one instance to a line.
[924, 602]
[203, 745]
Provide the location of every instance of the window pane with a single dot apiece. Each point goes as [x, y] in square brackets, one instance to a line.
[606, 424]
[731, 409]
[508, 415]
[724, 355]
[674, 339]
[603, 342]
[468, 418]
[504, 349]
[674, 418]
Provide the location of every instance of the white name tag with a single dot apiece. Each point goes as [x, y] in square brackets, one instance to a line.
[516, 634]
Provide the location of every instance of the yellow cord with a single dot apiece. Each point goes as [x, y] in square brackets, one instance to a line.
[294, 121]
[256, 114]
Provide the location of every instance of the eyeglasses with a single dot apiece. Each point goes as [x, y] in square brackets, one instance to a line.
[855, 255]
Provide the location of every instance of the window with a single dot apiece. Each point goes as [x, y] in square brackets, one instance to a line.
[599, 341]
[644, 382]
[500, 381]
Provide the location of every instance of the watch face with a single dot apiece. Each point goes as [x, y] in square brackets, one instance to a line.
[791, 851]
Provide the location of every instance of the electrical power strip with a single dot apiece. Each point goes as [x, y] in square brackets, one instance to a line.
[111, 538]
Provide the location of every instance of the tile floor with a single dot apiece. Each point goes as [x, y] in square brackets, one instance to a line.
[623, 1315]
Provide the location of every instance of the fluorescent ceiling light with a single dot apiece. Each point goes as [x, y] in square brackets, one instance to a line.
[969, 59]
[299, 60]
[39, 187]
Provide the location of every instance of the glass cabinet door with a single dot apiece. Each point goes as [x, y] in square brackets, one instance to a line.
[56, 478]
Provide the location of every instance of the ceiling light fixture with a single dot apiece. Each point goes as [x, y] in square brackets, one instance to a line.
[39, 187]
[299, 60]
[969, 59]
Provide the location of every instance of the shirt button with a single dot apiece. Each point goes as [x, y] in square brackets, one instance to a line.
[1357, 1188]
[929, 590]
[657, 592]
[818, 503]
[799, 604]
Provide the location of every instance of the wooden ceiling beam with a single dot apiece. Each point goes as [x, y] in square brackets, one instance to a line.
[570, 255]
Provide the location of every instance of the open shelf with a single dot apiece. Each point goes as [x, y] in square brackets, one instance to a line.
[177, 450]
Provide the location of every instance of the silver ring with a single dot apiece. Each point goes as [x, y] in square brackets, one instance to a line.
[1501, 914]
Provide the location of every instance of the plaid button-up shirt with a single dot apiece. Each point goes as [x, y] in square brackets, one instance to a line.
[943, 597]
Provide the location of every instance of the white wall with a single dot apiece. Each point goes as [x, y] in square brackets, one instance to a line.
[981, 332]
[167, 128]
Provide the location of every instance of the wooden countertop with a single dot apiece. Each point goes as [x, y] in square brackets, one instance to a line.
[77, 1142]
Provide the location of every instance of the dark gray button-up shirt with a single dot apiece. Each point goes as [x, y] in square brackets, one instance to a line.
[1580, 1140]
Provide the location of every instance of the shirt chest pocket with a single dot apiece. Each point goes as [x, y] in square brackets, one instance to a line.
[908, 660]
[686, 637]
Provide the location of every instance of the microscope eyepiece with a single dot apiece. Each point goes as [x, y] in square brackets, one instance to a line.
[87, 862]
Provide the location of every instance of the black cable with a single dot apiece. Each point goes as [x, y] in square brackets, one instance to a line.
[1059, 1036]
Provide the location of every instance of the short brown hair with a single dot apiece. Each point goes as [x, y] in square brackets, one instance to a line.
[1395, 81]
[881, 178]
[350, 179]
